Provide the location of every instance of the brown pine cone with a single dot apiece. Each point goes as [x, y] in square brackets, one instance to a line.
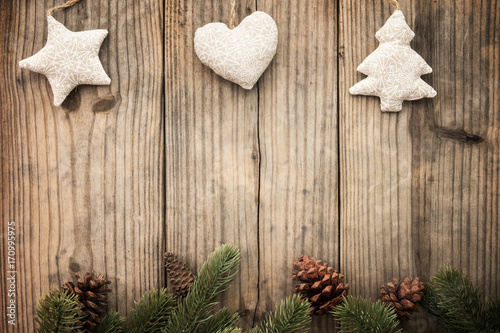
[179, 275]
[92, 298]
[320, 284]
[402, 295]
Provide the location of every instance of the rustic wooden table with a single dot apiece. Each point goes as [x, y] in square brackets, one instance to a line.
[172, 157]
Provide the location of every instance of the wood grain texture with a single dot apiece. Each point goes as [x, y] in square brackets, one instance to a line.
[298, 136]
[421, 188]
[84, 181]
[173, 157]
[212, 153]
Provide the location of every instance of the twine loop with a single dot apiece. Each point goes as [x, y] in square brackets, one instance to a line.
[233, 14]
[395, 3]
[65, 5]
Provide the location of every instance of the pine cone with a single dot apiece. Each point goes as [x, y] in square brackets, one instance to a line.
[179, 275]
[92, 297]
[403, 295]
[320, 284]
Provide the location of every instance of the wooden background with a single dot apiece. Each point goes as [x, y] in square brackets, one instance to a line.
[172, 157]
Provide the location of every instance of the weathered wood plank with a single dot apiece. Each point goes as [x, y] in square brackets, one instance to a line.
[298, 137]
[375, 163]
[212, 153]
[84, 181]
[419, 189]
[456, 166]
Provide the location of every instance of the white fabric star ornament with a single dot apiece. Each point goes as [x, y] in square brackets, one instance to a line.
[394, 69]
[69, 59]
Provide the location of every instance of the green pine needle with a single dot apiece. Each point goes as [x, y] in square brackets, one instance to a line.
[112, 322]
[57, 312]
[462, 301]
[293, 315]
[493, 313]
[431, 303]
[225, 319]
[457, 305]
[230, 330]
[214, 277]
[358, 315]
[152, 312]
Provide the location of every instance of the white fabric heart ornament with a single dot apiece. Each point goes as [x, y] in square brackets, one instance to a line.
[242, 54]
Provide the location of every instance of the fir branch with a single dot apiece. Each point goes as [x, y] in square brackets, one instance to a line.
[230, 330]
[225, 319]
[456, 305]
[57, 312]
[492, 313]
[214, 278]
[293, 315]
[112, 322]
[358, 315]
[431, 303]
[461, 300]
[152, 312]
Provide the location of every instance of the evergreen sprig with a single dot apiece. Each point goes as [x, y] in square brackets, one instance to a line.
[57, 312]
[214, 277]
[292, 316]
[152, 312]
[356, 314]
[430, 302]
[112, 322]
[457, 305]
[224, 320]
[460, 299]
[492, 313]
[230, 330]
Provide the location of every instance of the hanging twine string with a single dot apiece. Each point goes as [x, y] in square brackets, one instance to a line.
[395, 3]
[66, 5]
[233, 14]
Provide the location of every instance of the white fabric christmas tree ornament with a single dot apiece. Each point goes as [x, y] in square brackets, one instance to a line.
[69, 59]
[394, 68]
[242, 54]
